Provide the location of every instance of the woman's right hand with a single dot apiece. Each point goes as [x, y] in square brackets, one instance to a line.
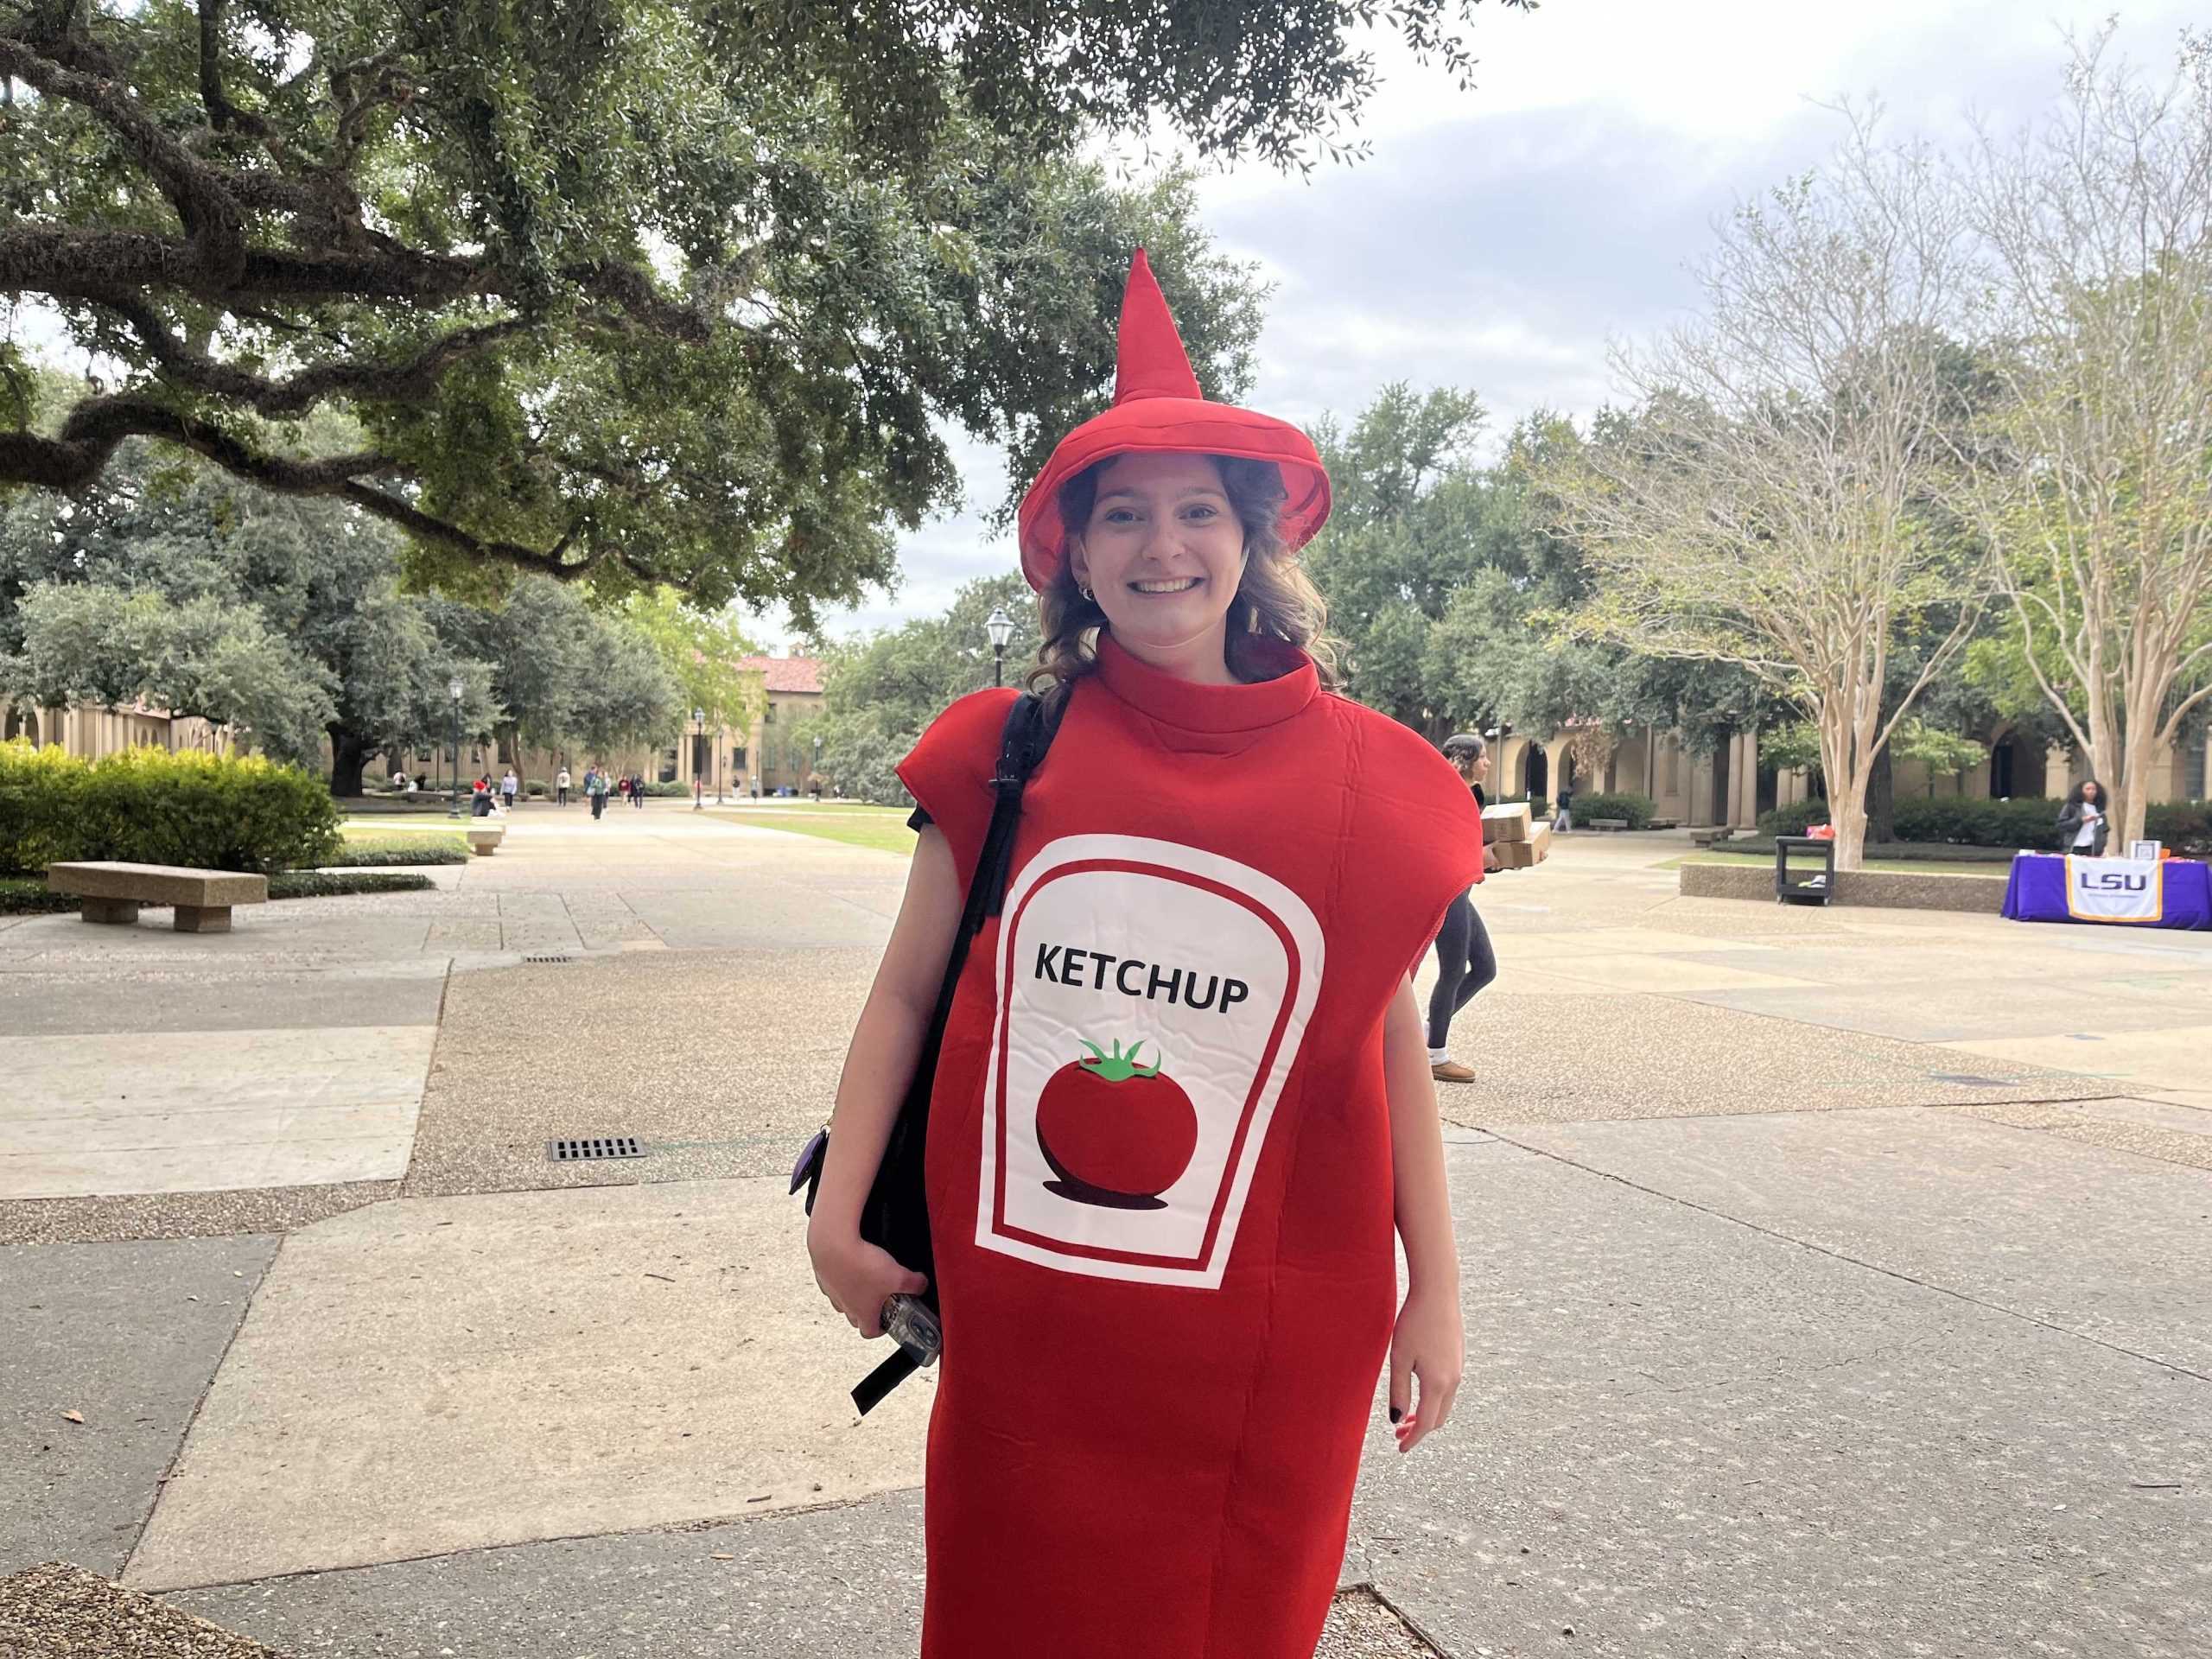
[857, 1277]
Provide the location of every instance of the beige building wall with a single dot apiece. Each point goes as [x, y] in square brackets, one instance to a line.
[91, 730]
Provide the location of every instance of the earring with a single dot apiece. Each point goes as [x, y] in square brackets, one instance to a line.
[1088, 598]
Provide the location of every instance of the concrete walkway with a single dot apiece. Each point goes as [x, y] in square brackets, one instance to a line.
[1834, 1284]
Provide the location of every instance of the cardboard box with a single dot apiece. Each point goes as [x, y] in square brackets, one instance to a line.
[1540, 837]
[1514, 854]
[1506, 822]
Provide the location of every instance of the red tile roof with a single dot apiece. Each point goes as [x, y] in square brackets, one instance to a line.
[801, 674]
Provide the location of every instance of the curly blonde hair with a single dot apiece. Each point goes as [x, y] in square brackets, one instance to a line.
[1276, 599]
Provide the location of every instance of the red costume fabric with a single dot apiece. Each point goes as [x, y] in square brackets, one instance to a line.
[1159, 1169]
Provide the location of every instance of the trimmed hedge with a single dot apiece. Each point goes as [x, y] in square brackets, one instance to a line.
[332, 884]
[2015, 823]
[1638, 810]
[2183, 826]
[40, 791]
[29, 895]
[148, 806]
[1793, 819]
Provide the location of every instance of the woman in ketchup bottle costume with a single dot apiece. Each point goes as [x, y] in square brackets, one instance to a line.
[1184, 1099]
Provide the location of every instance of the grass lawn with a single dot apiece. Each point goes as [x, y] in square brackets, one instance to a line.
[881, 828]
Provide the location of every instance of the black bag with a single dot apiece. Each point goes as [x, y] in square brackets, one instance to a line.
[896, 1216]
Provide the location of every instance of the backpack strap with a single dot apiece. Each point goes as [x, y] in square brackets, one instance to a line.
[1028, 733]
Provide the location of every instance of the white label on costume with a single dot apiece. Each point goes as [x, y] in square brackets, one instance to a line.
[1152, 1000]
[2115, 890]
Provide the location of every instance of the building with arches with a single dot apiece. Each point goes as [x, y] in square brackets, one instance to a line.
[1727, 785]
[91, 730]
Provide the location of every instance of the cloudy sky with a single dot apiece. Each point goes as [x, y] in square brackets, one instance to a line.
[1497, 238]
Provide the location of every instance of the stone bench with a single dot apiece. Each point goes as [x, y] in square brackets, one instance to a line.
[1609, 824]
[1706, 838]
[484, 839]
[203, 898]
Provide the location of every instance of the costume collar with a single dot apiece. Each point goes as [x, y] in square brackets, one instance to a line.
[1213, 708]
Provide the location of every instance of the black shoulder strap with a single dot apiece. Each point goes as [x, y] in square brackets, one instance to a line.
[1022, 742]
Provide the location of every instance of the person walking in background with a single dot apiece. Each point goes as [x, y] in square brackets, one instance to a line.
[561, 787]
[1563, 817]
[480, 801]
[638, 791]
[1465, 961]
[508, 786]
[595, 789]
[2083, 828]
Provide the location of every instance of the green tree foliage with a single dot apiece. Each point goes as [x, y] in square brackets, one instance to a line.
[1943, 753]
[222, 663]
[703, 656]
[1443, 582]
[880, 694]
[204, 595]
[2091, 470]
[562, 674]
[649, 291]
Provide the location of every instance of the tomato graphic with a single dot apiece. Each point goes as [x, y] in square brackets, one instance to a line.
[1115, 1132]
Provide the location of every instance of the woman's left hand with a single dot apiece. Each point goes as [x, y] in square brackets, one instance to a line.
[1430, 1343]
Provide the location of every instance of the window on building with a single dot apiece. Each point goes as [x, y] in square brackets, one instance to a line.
[737, 758]
[668, 764]
[768, 715]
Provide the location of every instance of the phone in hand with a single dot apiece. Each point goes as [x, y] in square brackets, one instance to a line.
[908, 1321]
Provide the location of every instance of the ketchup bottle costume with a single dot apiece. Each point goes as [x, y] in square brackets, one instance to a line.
[1159, 1167]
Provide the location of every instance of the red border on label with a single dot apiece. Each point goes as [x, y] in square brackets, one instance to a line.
[1010, 932]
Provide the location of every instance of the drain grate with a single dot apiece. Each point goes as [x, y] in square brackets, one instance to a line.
[578, 1147]
[550, 959]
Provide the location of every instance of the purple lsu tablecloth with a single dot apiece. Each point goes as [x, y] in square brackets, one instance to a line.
[2037, 893]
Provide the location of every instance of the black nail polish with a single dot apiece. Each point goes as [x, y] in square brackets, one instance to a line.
[1395, 1414]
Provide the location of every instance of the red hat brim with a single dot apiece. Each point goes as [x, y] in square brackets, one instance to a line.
[1172, 426]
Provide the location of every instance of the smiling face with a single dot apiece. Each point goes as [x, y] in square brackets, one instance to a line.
[1163, 552]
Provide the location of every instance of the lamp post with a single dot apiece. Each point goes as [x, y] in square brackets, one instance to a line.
[454, 689]
[698, 742]
[817, 778]
[1000, 626]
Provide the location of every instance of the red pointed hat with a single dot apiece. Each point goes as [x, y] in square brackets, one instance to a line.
[1158, 410]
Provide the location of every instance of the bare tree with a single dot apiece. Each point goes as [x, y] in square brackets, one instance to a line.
[1765, 503]
[2094, 478]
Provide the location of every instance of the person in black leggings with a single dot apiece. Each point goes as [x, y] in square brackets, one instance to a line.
[1465, 961]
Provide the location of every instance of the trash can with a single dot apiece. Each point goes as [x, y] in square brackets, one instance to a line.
[1797, 886]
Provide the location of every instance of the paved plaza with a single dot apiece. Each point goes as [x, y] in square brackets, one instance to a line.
[1836, 1281]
